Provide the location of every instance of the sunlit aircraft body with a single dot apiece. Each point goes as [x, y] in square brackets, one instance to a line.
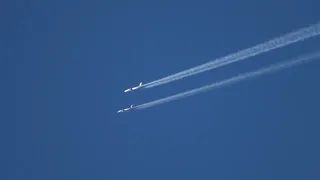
[134, 88]
[126, 109]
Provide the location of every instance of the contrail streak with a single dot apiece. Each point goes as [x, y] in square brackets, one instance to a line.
[233, 80]
[293, 37]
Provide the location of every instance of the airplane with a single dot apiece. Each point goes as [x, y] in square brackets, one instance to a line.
[126, 109]
[134, 88]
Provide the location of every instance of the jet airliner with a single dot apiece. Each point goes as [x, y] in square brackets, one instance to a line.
[134, 88]
[126, 109]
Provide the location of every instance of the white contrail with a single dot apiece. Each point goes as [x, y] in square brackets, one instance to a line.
[233, 80]
[296, 36]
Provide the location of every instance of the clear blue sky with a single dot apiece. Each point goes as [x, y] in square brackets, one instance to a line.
[64, 66]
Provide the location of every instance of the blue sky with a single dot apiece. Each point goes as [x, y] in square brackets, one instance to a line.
[65, 65]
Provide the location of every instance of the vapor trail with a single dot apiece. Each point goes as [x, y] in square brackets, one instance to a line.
[293, 37]
[233, 80]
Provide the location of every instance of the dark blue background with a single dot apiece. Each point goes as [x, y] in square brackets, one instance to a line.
[64, 66]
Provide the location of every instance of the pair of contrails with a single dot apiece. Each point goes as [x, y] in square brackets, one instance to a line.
[276, 43]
